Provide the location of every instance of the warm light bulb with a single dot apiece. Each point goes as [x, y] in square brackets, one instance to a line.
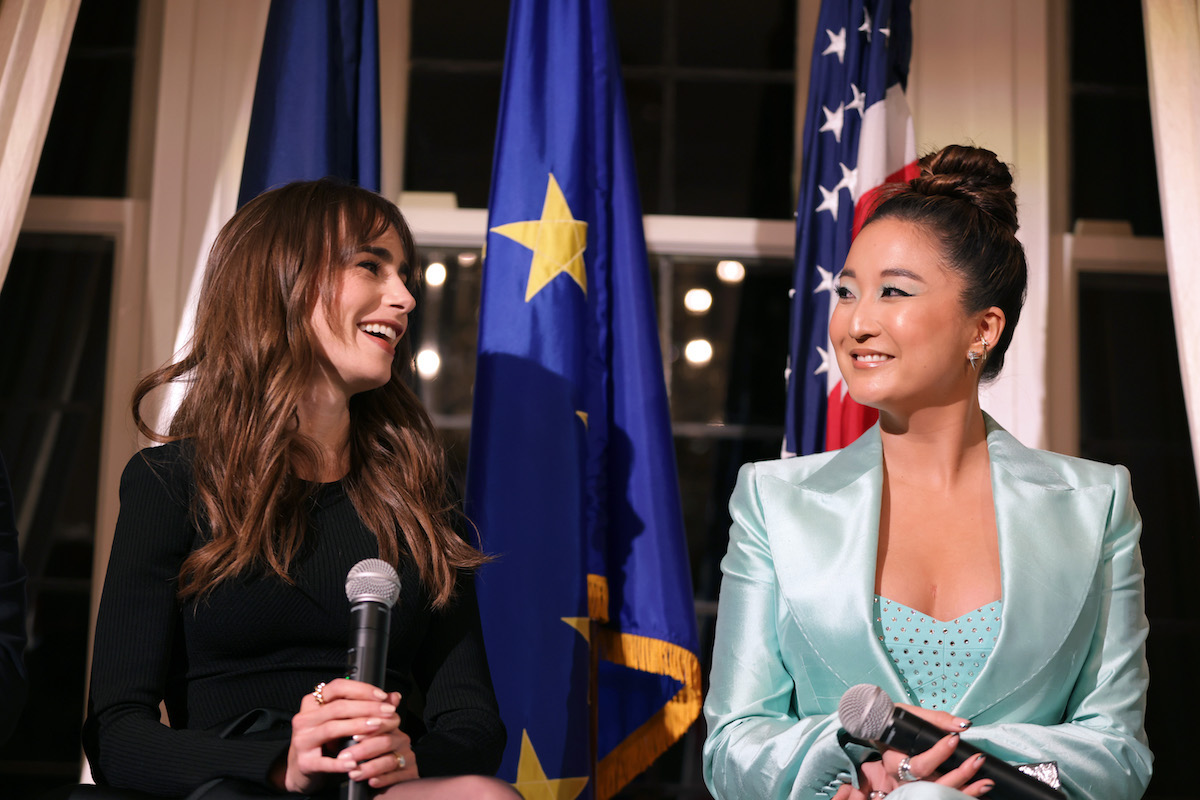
[435, 274]
[697, 301]
[698, 352]
[731, 271]
[428, 363]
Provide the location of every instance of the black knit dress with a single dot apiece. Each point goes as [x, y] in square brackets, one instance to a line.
[233, 666]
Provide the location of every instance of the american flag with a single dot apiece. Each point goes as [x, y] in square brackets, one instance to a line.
[858, 135]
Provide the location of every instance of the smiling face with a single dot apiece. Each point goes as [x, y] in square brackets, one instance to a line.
[900, 330]
[356, 336]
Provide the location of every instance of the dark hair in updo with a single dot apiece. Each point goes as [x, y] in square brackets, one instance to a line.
[964, 198]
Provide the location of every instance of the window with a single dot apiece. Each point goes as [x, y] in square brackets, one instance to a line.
[56, 407]
[711, 114]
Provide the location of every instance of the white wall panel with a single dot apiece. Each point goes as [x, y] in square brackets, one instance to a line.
[989, 73]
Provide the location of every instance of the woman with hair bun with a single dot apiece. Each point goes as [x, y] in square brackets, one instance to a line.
[298, 451]
[993, 590]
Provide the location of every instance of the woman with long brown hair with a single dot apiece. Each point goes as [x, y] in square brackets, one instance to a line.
[298, 451]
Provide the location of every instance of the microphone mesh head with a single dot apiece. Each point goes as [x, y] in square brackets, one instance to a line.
[373, 580]
[865, 711]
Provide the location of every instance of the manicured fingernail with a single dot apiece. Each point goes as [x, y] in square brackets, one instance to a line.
[346, 756]
[374, 723]
[964, 724]
[357, 737]
[380, 694]
[355, 774]
[989, 785]
[387, 709]
[979, 758]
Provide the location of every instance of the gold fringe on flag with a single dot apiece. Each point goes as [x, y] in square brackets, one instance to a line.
[655, 735]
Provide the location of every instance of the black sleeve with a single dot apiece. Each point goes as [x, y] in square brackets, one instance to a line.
[465, 734]
[12, 613]
[136, 651]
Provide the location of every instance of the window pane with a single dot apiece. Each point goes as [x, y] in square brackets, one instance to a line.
[87, 144]
[446, 328]
[1132, 412]
[644, 101]
[1113, 172]
[54, 311]
[641, 27]
[711, 123]
[1110, 129]
[451, 131]
[733, 150]
[1108, 45]
[748, 34]
[464, 30]
[747, 329]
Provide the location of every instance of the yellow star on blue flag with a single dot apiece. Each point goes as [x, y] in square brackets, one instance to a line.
[532, 782]
[557, 240]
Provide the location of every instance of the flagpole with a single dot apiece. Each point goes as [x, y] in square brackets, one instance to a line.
[594, 696]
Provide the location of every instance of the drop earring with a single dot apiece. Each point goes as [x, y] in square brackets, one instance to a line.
[977, 358]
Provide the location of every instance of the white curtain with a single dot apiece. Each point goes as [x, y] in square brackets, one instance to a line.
[210, 54]
[34, 36]
[1173, 58]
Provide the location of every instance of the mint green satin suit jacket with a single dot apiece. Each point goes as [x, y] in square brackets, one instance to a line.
[1066, 681]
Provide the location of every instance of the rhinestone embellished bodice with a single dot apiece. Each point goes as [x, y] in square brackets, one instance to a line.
[937, 659]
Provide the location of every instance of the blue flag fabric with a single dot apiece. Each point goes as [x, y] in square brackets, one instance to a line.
[316, 103]
[571, 476]
[857, 136]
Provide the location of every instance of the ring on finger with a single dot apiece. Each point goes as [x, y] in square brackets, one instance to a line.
[401, 761]
[877, 795]
[317, 693]
[904, 771]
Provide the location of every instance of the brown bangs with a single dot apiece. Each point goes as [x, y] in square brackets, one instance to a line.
[249, 365]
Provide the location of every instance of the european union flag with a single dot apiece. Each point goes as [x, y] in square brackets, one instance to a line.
[588, 612]
[316, 103]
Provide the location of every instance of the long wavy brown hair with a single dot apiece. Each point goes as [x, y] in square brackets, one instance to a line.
[252, 358]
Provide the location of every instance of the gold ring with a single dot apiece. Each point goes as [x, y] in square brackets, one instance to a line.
[316, 692]
[401, 761]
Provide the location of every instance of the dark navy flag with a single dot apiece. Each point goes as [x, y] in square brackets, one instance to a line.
[588, 611]
[858, 135]
[316, 104]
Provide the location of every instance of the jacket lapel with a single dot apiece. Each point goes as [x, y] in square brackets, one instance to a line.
[824, 533]
[1049, 536]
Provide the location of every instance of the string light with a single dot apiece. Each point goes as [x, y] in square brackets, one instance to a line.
[698, 352]
[698, 301]
[428, 363]
[435, 274]
[731, 271]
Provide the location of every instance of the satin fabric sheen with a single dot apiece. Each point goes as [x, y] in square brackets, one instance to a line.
[1066, 681]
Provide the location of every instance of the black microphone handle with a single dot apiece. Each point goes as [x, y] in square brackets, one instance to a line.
[366, 661]
[911, 734]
